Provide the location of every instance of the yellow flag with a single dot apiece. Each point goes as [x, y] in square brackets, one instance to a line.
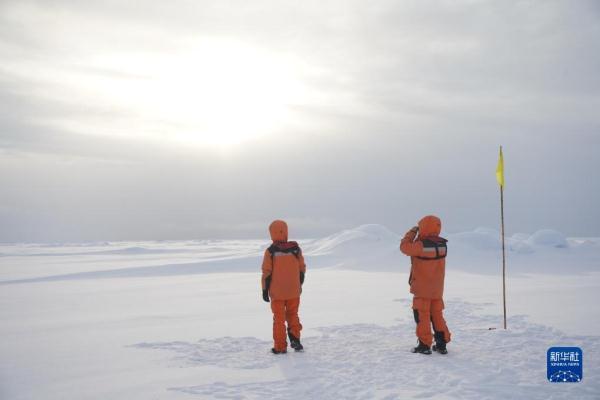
[500, 169]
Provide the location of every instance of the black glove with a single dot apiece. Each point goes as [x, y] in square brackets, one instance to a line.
[266, 295]
[301, 278]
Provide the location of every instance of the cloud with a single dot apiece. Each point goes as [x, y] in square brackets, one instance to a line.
[396, 63]
[400, 112]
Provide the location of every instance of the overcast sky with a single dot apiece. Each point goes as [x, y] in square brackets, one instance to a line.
[208, 119]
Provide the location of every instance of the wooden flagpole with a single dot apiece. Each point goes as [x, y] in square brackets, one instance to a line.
[503, 253]
[501, 181]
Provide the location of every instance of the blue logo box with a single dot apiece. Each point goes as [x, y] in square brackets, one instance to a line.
[565, 364]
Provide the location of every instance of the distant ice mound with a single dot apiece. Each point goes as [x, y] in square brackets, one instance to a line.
[487, 231]
[376, 248]
[377, 232]
[137, 250]
[521, 237]
[548, 238]
[522, 243]
[480, 239]
[519, 246]
[356, 240]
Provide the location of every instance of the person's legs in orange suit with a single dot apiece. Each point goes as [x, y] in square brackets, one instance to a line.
[442, 334]
[279, 314]
[291, 316]
[422, 312]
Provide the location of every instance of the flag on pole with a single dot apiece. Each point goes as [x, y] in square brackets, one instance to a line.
[500, 169]
[500, 179]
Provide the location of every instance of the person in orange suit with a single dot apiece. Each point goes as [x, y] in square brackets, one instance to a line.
[427, 251]
[283, 272]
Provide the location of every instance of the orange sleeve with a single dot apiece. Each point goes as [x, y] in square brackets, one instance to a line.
[267, 268]
[408, 246]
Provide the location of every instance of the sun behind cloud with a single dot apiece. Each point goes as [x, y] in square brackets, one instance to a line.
[215, 93]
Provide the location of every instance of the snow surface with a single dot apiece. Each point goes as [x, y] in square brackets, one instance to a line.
[184, 319]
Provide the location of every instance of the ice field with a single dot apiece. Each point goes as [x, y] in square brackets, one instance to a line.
[185, 319]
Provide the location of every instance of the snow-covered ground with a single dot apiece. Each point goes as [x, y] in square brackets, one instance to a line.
[184, 320]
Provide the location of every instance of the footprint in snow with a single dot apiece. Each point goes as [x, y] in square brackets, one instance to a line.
[366, 361]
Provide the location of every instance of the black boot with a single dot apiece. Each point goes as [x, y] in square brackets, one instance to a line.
[421, 348]
[440, 343]
[278, 351]
[295, 342]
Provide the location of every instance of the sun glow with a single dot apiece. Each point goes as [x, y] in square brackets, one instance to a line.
[217, 93]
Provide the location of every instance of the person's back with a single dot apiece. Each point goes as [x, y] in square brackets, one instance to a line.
[427, 251]
[283, 271]
[428, 267]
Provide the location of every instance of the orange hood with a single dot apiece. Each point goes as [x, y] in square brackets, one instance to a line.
[279, 231]
[430, 226]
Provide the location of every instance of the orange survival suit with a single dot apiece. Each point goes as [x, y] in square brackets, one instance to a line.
[427, 251]
[283, 271]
